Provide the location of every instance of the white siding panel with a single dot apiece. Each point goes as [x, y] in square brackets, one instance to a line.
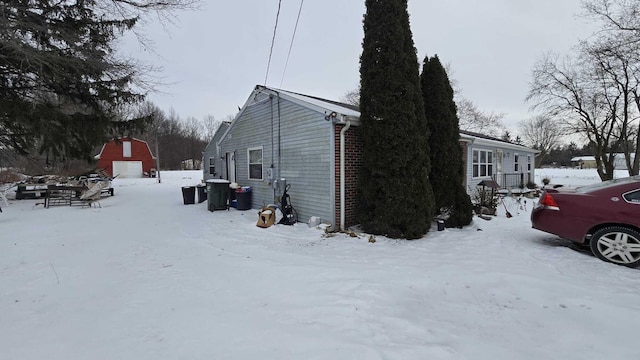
[307, 158]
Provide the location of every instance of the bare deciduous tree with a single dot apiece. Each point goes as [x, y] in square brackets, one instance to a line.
[210, 126]
[542, 133]
[476, 120]
[352, 97]
[615, 15]
[471, 117]
[571, 91]
[617, 50]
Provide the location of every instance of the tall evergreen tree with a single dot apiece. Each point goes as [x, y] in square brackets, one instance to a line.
[394, 194]
[447, 165]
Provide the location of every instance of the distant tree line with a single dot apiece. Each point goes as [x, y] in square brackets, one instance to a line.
[561, 155]
[177, 138]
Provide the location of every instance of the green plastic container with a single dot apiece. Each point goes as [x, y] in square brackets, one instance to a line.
[217, 194]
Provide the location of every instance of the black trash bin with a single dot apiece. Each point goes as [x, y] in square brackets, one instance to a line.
[232, 197]
[243, 198]
[218, 192]
[202, 193]
[189, 195]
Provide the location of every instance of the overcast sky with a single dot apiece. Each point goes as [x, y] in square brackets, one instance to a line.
[213, 58]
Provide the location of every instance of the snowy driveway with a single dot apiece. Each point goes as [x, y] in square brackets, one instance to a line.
[145, 277]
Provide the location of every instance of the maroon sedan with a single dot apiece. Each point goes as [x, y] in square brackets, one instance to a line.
[605, 216]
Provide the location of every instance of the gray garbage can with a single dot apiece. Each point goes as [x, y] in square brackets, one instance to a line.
[217, 194]
[189, 195]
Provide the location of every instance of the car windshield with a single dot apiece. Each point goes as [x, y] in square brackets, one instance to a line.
[606, 184]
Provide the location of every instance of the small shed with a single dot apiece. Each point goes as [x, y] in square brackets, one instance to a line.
[584, 162]
[126, 158]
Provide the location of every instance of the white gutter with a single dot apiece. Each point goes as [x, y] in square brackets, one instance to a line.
[342, 191]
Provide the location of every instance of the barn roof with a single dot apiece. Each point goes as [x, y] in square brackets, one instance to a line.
[99, 155]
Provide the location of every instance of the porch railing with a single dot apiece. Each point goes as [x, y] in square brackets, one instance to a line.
[514, 180]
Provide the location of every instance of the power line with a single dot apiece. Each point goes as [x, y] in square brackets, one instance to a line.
[291, 45]
[273, 40]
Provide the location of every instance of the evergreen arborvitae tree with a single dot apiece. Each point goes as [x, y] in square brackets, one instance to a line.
[447, 165]
[394, 194]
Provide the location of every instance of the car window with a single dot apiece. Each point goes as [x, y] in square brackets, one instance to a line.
[632, 197]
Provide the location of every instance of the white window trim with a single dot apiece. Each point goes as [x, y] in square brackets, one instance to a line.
[261, 148]
[492, 163]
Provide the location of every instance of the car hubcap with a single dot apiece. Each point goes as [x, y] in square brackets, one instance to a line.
[619, 247]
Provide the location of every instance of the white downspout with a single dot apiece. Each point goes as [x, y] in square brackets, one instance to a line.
[342, 190]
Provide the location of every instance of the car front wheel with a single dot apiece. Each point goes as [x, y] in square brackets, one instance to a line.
[618, 245]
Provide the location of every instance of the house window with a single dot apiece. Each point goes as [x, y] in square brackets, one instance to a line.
[516, 165]
[212, 166]
[528, 163]
[482, 163]
[255, 163]
[126, 149]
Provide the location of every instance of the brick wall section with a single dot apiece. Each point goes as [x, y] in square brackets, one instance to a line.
[353, 160]
[465, 155]
[112, 151]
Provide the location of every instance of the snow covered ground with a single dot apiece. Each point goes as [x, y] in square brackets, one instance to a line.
[146, 277]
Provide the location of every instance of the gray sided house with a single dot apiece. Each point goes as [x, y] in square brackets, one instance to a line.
[511, 166]
[281, 137]
[211, 162]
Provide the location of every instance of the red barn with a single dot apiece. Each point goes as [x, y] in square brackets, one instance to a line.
[126, 158]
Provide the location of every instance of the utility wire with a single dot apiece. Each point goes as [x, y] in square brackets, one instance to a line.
[291, 45]
[273, 40]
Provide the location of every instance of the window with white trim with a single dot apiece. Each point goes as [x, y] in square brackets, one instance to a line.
[482, 163]
[126, 149]
[528, 163]
[212, 166]
[254, 155]
[516, 164]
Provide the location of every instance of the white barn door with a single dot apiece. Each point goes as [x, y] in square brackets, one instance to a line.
[127, 169]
